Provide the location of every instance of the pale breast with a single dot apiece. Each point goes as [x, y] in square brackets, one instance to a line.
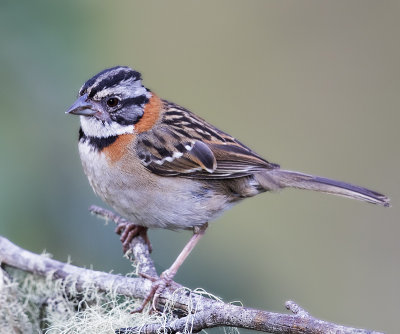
[148, 199]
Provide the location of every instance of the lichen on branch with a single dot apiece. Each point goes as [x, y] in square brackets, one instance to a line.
[57, 297]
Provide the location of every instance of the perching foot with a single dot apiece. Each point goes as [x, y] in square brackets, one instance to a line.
[128, 231]
[159, 284]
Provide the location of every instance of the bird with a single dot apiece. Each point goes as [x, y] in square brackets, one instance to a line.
[161, 166]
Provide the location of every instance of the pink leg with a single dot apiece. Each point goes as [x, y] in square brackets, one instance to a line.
[166, 277]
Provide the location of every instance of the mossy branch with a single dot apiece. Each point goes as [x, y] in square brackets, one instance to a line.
[193, 312]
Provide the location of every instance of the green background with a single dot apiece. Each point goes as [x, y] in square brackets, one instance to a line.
[312, 85]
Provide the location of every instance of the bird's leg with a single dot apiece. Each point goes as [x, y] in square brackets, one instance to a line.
[128, 231]
[166, 277]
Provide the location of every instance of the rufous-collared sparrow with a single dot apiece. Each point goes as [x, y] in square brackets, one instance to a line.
[160, 166]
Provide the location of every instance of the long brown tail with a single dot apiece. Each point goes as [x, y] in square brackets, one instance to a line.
[287, 178]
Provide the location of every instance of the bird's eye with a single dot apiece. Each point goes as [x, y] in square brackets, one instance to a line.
[112, 102]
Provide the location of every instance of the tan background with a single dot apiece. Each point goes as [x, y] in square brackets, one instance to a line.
[312, 85]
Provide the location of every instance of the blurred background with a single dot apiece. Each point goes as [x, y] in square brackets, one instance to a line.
[312, 85]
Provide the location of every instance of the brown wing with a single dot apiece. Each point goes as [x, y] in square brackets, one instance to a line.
[184, 144]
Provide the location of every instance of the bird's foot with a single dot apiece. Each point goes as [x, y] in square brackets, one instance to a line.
[157, 287]
[128, 231]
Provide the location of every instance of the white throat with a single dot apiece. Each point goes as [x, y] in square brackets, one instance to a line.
[92, 127]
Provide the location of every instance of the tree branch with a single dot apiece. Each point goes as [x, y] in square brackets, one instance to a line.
[208, 312]
[139, 250]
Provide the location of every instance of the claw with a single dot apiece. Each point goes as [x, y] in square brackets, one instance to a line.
[159, 284]
[128, 231]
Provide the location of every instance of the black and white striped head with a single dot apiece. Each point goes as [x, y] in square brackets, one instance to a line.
[111, 102]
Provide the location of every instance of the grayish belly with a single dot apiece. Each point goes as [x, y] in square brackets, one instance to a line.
[164, 202]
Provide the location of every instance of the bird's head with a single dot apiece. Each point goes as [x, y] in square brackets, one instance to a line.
[111, 102]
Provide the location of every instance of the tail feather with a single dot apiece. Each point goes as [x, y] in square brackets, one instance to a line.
[287, 178]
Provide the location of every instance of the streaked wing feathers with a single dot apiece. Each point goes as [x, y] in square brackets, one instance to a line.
[186, 145]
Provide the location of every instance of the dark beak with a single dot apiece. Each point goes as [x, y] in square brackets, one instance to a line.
[82, 107]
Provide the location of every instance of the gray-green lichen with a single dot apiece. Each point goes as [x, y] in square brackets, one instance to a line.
[31, 304]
